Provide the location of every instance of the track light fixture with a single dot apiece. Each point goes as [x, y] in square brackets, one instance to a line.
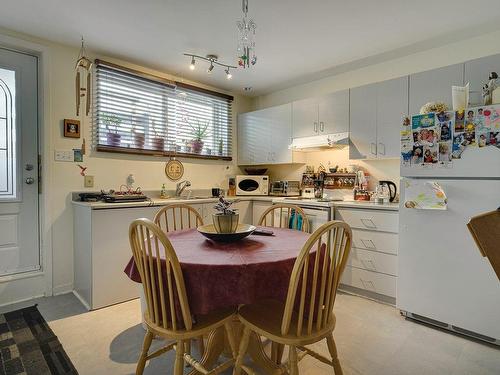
[213, 60]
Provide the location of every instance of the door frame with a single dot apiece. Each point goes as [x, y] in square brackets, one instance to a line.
[42, 52]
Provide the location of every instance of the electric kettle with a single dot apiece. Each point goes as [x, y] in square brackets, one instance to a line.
[392, 189]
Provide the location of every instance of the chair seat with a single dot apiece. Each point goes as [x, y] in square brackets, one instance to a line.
[265, 317]
[203, 324]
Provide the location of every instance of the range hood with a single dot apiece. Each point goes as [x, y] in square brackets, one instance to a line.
[320, 142]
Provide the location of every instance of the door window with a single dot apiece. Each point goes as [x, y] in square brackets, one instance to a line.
[8, 163]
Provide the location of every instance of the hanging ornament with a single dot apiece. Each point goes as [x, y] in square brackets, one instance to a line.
[83, 67]
[246, 39]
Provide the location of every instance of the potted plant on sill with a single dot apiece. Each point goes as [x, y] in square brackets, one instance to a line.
[226, 219]
[157, 142]
[198, 131]
[111, 122]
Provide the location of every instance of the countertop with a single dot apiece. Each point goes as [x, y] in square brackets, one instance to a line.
[154, 202]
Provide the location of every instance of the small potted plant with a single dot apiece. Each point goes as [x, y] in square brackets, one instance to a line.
[198, 131]
[111, 122]
[226, 218]
[157, 142]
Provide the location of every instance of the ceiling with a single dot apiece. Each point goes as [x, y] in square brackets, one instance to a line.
[296, 40]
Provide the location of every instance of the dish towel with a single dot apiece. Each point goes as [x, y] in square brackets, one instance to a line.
[291, 221]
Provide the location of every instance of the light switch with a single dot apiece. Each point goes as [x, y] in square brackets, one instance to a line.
[88, 181]
[63, 155]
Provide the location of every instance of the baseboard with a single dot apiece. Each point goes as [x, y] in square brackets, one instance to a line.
[21, 300]
[82, 301]
[62, 289]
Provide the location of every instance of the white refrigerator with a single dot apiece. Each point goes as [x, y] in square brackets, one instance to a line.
[443, 279]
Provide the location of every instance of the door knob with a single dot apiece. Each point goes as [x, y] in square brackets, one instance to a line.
[29, 180]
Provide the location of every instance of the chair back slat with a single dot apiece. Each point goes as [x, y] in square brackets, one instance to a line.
[314, 282]
[285, 212]
[161, 276]
[177, 216]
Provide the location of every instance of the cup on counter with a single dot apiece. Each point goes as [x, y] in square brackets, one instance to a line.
[216, 192]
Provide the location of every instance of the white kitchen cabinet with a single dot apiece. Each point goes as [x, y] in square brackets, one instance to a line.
[434, 85]
[372, 266]
[258, 209]
[245, 211]
[264, 136]
[363, 122]
[477, 73]
[376, 114]
[323, 115]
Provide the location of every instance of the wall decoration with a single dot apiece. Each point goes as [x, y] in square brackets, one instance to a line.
[77, 155]
[83, 66]
[174, 169]
[82, 170]
[71, 128]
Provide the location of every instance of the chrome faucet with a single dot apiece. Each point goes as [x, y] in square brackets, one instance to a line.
[181, 186]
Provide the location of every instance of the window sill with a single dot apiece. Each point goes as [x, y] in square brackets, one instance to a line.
[135, 151]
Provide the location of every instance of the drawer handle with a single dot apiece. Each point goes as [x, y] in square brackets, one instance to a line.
[368, 264]
[368, 282]
[368, 244]
[368, 223]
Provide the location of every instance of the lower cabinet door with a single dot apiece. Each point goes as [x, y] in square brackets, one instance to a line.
[374, 261]
[371, 281]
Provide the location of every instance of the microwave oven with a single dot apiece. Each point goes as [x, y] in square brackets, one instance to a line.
[252, 185]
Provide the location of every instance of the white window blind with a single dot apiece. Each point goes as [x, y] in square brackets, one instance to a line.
[137, 113]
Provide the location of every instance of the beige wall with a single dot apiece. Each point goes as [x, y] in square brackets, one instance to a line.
[110, 170]
[468, 49]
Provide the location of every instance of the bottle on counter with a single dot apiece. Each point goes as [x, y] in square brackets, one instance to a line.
[163, 191]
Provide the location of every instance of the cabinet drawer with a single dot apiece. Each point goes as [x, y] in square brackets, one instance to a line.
[386, 221]
[376, 241]
[373, 261]
[371, 281]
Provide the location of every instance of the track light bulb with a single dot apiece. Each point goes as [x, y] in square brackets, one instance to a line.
[210, 68]
[228, 74]
[191, 66]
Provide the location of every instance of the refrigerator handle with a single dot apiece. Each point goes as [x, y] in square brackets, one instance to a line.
[382, 147]
[373, 148]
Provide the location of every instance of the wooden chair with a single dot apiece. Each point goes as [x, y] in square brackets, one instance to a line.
[168, 314]
[284, 211]
[177, 216]
[307, 316]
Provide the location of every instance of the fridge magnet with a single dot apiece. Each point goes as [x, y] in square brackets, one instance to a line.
[494, 139]
[470, 135]
[71, 128]
[406, 153]
[444, 153]
[424, 195]
[459, 122]
[422, 121]
[483, 139]
[479, 120]
[492, 117]
[418, 155]
[77, 155]
[430, 154]
[445, 122]
[458, 145]
[470, 117]
[427, 137]
[406, 130]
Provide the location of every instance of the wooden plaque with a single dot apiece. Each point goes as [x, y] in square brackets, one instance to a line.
[174, 169]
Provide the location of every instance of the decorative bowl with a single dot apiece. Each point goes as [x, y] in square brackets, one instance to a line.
[242, 231]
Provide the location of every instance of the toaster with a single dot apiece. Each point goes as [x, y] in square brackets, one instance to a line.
[285, 188]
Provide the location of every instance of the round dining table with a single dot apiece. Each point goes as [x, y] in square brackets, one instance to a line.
[220, 275]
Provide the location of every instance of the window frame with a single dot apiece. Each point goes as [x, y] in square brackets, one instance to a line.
[170, 83]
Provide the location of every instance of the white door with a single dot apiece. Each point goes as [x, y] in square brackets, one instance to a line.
[19, 234]
[305, 118]
[363, 122]
[280, 126]
[333, 112]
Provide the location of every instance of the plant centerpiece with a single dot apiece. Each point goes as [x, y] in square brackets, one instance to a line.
[226, 219]
[198, 132]
[111, 122]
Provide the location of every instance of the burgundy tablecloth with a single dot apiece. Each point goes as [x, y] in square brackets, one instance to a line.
[219, 275]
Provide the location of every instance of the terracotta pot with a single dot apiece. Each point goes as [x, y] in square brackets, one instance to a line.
[139, 140]
[113, 139]
[225, 223]
[196, 146]
[157, 144]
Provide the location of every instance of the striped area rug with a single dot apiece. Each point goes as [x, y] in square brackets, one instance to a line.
[28, 345]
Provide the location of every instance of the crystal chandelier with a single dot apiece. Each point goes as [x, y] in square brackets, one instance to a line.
[246, 39]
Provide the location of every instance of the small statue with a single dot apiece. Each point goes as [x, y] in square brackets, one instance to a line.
[490, 87]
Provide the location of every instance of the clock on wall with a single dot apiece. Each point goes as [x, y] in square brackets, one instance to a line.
[174, 169]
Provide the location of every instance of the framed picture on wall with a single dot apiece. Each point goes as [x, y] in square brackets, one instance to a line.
[71, 128]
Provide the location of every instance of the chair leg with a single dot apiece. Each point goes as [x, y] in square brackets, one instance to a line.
[141, 363]
[277, 352]
[293, 361]
[231, 339]
[179, 358]
[245, 338]
[332, 348]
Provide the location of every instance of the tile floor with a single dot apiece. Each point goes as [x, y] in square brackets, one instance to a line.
[372, 338]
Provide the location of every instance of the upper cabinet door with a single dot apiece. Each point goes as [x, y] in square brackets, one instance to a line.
[434, 85]
[333, 112]
[280, 125]
[392, 105]
[477, 73]
[305, 118]
[363, 122]
[245, 155]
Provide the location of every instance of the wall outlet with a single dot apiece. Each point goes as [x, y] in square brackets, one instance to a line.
[64, 155]
[88, 181]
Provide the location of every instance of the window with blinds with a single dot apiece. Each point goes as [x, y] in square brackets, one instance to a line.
[137, 113]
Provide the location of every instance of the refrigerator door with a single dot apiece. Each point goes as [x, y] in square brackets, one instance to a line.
[475, 162]
[442, 275]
